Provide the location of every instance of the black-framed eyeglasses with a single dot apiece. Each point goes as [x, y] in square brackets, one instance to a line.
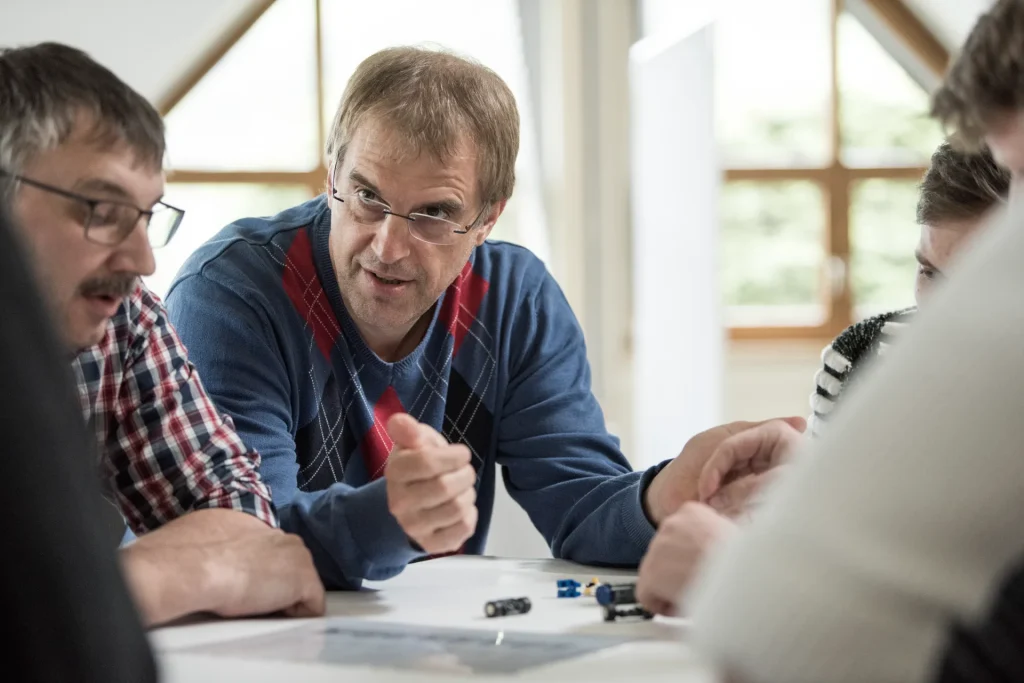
[424, 227]
[109, 222]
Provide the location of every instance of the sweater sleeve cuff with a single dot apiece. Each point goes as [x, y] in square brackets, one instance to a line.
[376, 532]
[350, 533]
[635, 520]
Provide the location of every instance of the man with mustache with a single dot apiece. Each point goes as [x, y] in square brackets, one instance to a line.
[386, 359]
[80, 164]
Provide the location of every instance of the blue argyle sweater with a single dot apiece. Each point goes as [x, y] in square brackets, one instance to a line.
[502, 369]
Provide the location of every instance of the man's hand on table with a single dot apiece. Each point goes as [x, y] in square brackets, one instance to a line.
[675, 554]
[681, 480]
[265, 573]
[737, 468]
[185, 567]
[431, 486]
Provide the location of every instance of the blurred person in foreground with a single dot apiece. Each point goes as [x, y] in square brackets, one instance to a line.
[957, 197]
[70, 614]
[81, 158]
[893, 550]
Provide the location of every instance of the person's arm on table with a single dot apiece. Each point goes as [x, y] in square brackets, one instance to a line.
[563, 466]
[191, 490]
[683, 540]
[221, 561]
[349, 531]
[909, 517]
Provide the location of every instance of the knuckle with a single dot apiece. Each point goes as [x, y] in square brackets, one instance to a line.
[448, 487]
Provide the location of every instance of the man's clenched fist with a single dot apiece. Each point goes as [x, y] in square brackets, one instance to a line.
[431, 486]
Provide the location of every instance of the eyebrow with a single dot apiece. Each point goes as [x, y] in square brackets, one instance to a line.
[111, 189]
[358, 178]
[924, 261]
[450, 205]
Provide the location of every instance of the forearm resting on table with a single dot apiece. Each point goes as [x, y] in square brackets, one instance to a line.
[173, 571]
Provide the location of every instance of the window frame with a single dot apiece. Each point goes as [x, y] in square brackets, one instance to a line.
[315, 178]
[836, 180]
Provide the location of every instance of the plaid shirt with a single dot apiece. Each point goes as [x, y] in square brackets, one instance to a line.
[165, 450]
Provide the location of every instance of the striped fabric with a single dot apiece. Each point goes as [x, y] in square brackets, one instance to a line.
[846, 356]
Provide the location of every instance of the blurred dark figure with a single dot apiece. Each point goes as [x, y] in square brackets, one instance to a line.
[67, 613]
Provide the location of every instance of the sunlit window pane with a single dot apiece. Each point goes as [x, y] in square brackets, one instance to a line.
[210, 207]
[773, 83]
[883, 236]
[772, 252]
[256, 109]
[883, 112]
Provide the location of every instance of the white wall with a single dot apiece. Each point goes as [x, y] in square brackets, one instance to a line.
[769, 379]
[677, 322]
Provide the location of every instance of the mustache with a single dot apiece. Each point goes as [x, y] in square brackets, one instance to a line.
[114, 286]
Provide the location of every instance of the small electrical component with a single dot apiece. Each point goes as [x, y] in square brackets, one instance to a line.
[611, 613]
[503, 608]
[616, 594]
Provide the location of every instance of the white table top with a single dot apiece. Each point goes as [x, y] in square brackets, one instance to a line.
[448, 592]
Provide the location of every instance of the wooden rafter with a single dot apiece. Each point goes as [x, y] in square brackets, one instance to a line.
[824, 175]
[320, 123]
[840, 298]
[914, 34]
[311, 178]
[210, 58]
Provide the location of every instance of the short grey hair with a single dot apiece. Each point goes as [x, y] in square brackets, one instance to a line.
[432, 97]
[45, 88]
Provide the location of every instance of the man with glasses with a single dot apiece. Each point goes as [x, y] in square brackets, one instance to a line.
[80, 163]
[385, 359]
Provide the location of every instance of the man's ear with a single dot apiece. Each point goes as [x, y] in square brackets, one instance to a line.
[483, 231]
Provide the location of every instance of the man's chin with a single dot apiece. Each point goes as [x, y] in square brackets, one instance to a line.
[83, 335]
[85, 341]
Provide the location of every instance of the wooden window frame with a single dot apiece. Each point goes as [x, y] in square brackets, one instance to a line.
[836, 179]
[315, 178]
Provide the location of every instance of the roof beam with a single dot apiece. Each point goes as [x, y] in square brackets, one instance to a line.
[210, 58]
[914, 34]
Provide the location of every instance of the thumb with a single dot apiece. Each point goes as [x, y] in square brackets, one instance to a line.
[797, 423]
[758, 450]
[734, 428]
[405, 431]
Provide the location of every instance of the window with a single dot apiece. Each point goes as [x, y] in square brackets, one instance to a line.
[773, 251]
[247, 138]
[824, 138]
